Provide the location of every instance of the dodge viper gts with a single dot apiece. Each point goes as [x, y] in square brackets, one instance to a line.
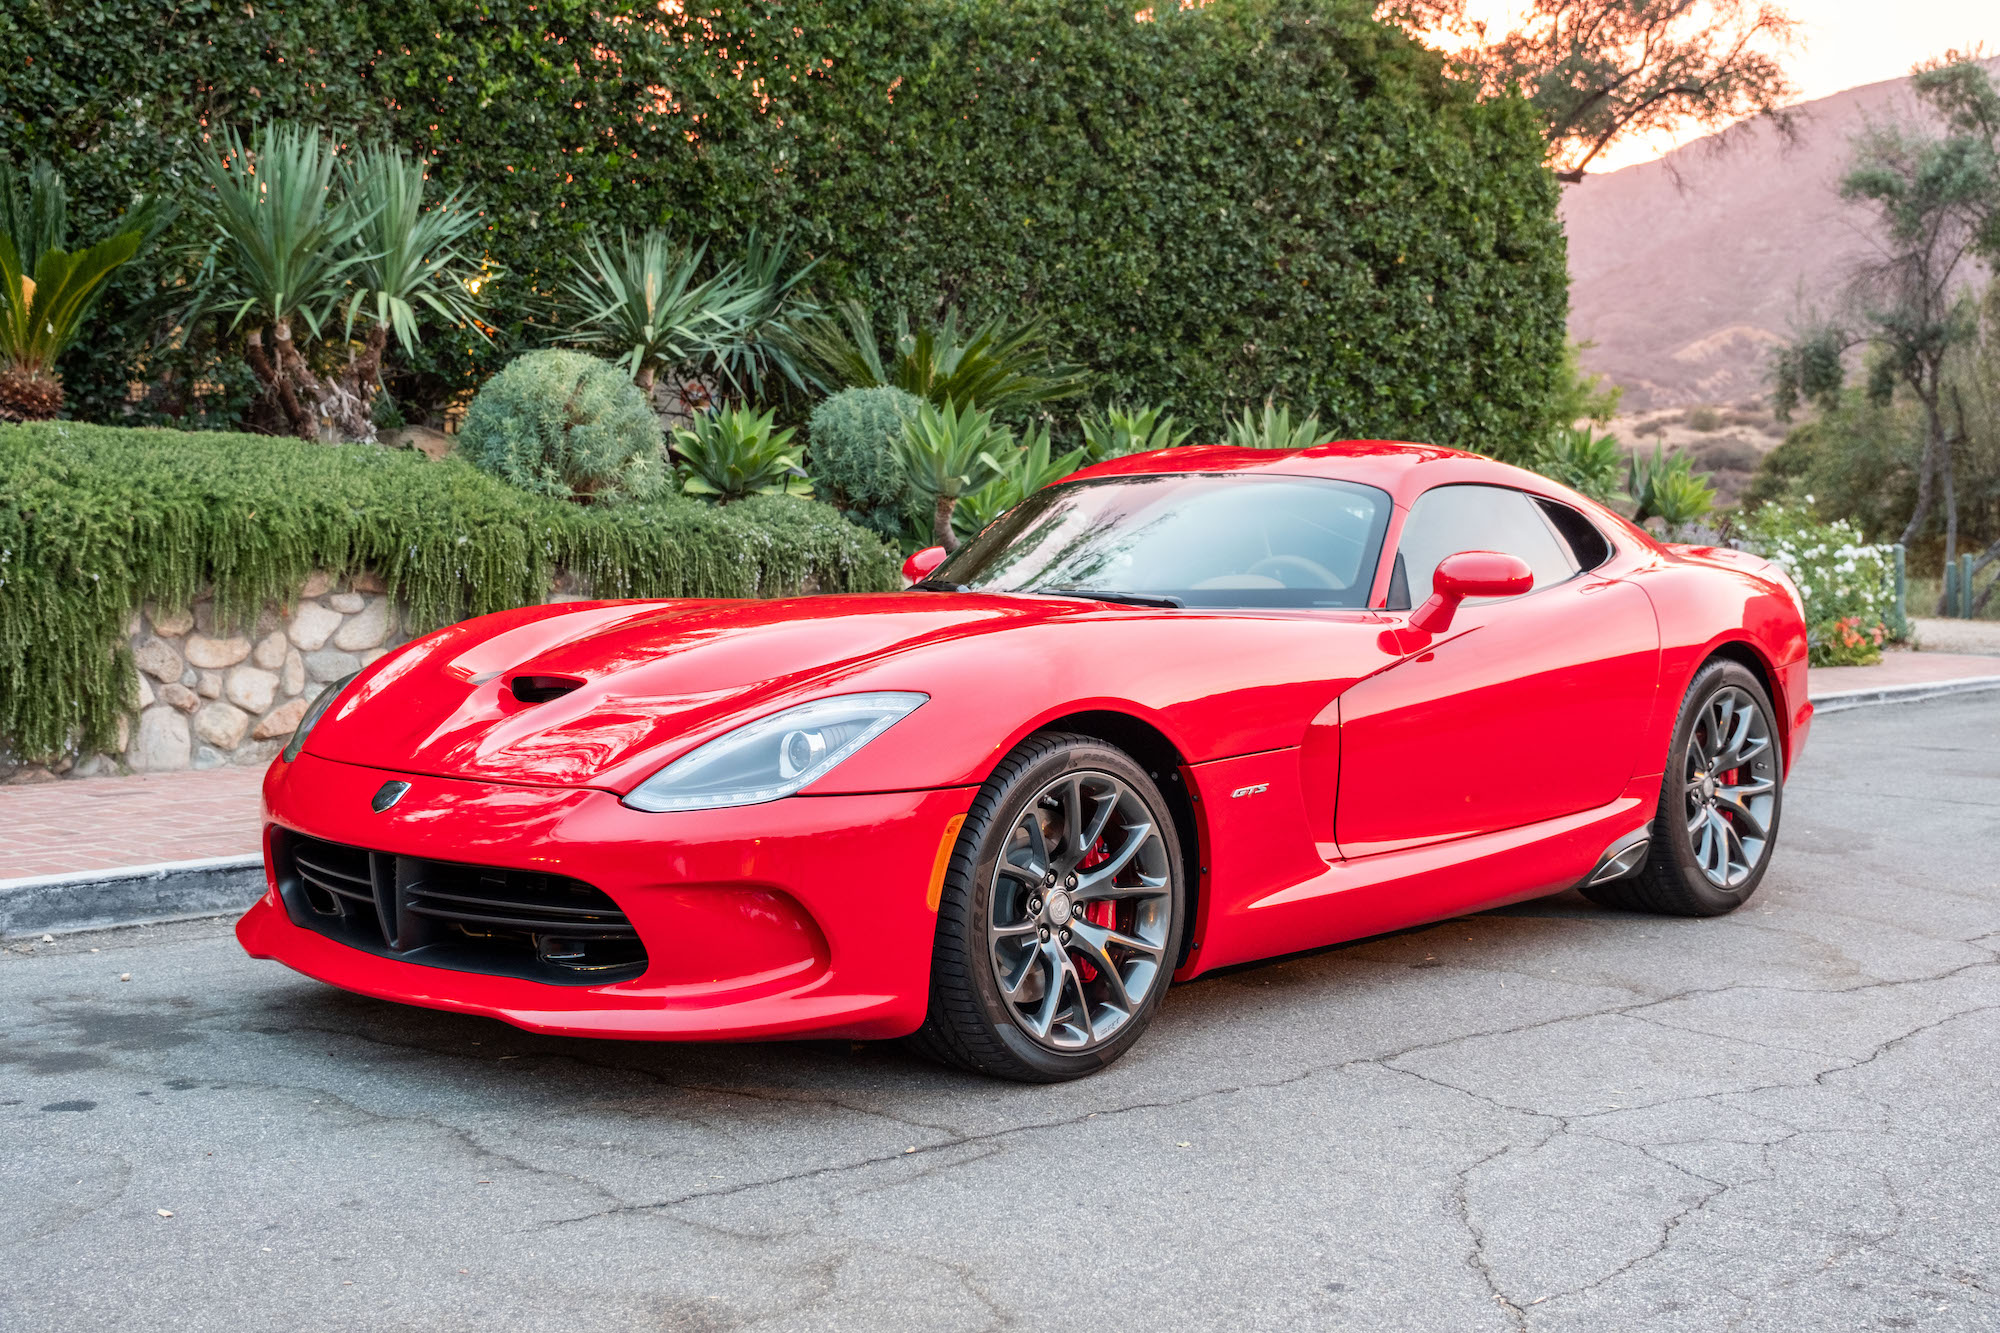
[1179, 711]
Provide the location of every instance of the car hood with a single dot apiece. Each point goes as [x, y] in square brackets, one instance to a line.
[640, 680]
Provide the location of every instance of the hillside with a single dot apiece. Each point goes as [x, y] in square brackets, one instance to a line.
[1685, 285]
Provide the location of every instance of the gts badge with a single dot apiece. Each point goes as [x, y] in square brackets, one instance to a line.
[1255, 790]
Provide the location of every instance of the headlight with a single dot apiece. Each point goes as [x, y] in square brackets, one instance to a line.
[320, 706]
[773, 756]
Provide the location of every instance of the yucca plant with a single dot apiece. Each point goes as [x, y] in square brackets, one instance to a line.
[1026, 470]
[1118, 431]
[947, 453]
[989, 366]
[1665, 487]
[733, 452]
[406, 259]
[281, 244]
[40, 316]
[647, 307]
[1275, 429]
[763, 353]
[1583, 460]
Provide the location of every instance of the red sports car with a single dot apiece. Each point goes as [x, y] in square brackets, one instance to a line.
[1179, 711]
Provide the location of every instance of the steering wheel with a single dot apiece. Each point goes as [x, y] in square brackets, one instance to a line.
[1316, 575]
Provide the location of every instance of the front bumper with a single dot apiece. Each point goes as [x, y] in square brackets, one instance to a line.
[800, 917]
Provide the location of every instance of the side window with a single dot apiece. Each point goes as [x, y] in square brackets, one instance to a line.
[1585, 542]
[1451, 519]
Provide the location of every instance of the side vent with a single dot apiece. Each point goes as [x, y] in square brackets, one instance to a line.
[541, 689]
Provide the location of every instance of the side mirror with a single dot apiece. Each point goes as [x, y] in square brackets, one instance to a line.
[1470, 574]
[919, 566]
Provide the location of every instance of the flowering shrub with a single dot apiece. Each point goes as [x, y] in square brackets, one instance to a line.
[1848, 585]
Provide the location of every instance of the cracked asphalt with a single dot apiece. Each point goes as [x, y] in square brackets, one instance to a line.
[1552, 1117]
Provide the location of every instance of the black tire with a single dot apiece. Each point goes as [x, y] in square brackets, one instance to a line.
[970, 1023]
[1673, 880]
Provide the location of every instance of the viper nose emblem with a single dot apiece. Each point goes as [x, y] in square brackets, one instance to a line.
[390, 793]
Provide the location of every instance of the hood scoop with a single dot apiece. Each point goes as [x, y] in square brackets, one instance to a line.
[541, 689]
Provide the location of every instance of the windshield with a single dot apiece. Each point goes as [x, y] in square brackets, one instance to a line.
[1202, 539]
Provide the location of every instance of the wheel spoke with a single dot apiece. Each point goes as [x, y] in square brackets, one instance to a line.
[1026, 874]
[1073, 845]
[1107, 805]
[1058, 966]
[1031, 963]
[1014, 931]
[1089, 941]
[1718, 842]
[1727, 801]
[1149, 886]
[1038, 846]
[1733, 853]
[1138, 836]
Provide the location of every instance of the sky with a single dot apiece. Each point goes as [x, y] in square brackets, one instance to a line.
[1844, 43]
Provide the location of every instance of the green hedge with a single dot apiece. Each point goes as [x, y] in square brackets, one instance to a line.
[95, 521]
[1252, 197]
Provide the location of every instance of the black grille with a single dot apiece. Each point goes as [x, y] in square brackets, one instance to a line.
[518, 923]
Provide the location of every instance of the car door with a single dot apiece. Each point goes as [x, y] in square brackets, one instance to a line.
[1527, 708]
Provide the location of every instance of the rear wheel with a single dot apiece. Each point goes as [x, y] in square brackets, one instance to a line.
[1720, 800]
[1061, 915]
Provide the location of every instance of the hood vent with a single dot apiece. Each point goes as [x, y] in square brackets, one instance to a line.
[541, 689]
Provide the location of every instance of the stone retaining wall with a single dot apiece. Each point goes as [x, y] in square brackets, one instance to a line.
[208, 697]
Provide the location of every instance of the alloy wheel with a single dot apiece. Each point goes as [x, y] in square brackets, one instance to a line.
[1081, 909]
[1731, 783]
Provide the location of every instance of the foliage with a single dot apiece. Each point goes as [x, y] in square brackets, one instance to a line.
[1005, 371]
[1665, 487]
[855, 460]
[1359, 231]
[731, 453]
[1583, 395]
[39, 318]
[1023, 471]
[1274, 429]
[644, 302]
[762, 356]
[96, 521]
[1584, 461]
[947, 453]
[406, 255]
[1848, 585]
[568, 427]
[1119, 430]
[1602, 71]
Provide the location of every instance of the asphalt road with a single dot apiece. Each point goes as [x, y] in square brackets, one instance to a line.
[1551, 1117]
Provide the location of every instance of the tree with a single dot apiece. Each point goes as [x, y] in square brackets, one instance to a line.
[1598, 71]
[1935, 194]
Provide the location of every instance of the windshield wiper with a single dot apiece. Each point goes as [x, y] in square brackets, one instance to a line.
[1111, 595]
[937, 585]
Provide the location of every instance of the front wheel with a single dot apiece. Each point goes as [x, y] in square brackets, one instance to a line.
[1720, 799]
[1061, 915]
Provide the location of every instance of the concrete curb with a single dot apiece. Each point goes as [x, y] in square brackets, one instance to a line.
[1841, 700]
[135, 895]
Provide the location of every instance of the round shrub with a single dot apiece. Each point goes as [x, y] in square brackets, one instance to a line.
[853, 461]
[568, 426]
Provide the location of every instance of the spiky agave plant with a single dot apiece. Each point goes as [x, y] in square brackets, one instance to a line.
[407, 260]
[40, 316]
[1119, 430]
[646, 306]
[997, 367]
[1031, 467]
[762, 352]
[279, 250]
[1666, 487]
[948, 453]
[1275, 429]
[1579, 457]
[733, 452]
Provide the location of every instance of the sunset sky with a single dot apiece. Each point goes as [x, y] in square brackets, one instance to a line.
[1845, 43]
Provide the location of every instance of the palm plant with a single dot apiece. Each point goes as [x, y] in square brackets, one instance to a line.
[646, 306]
[1119, 430]
[281, 245]
[1665, 487]
[946, 454]
[989, 366]
[1032, 466]
[46, 288]
[1274, 429]
[1583, 460]
[40, 316]
[763, 351]
[733, 452]
[406, 258]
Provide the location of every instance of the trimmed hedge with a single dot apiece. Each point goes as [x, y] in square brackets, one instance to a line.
[96, 520]
[1252, 197]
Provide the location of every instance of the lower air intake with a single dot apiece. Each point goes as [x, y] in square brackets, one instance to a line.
[516, 923]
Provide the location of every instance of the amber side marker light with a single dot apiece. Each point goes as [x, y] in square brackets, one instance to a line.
[943, 862]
